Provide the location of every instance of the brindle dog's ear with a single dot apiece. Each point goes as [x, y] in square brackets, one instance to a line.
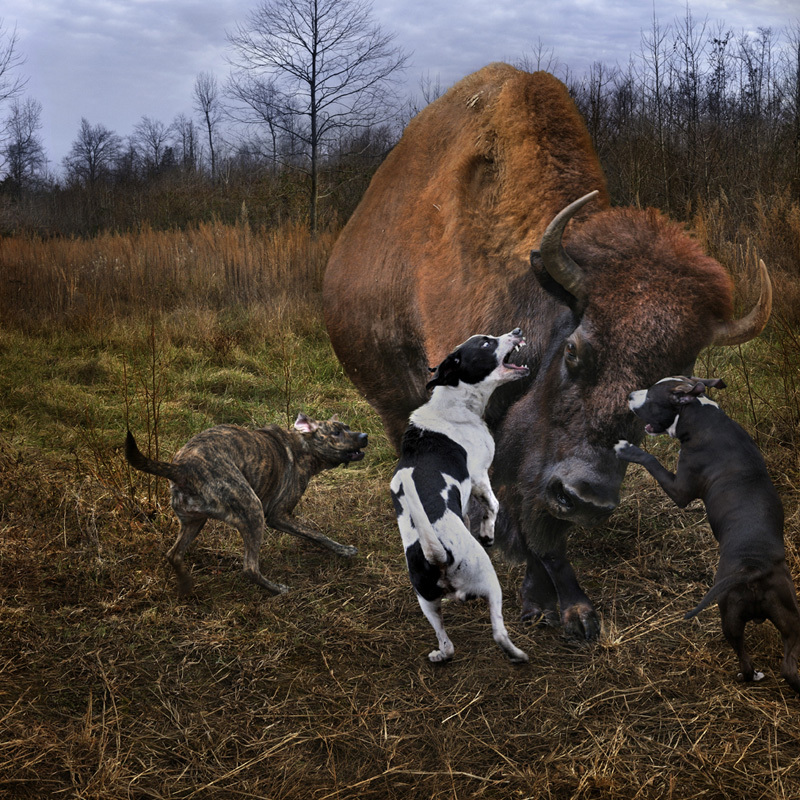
[305, 424]
[446, 374]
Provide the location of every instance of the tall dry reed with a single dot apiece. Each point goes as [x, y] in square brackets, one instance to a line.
[118, 274]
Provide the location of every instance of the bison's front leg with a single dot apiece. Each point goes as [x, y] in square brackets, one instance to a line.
[538, 595]
[578, 617]
[550, 583]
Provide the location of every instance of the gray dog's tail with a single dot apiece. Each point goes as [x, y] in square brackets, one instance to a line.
[716, 590]
[138, 460]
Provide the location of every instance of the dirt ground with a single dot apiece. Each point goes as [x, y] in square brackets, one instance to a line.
[110, 687]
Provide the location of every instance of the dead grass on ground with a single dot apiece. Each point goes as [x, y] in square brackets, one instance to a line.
[110, 687]
[113, 688]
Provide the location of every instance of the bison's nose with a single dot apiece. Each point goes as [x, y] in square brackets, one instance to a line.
[584, 501]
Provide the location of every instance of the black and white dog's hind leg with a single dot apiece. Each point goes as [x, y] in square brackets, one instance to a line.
[487, 586]
[432, 609]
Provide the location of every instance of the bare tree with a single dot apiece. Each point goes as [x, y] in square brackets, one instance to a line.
[10, 85]
[185, 141]
[329, 63]
[208, 104]
[262, 103]
[654, 57]
[23, 151]
[151, 137]
[93, 154]
[538, 58]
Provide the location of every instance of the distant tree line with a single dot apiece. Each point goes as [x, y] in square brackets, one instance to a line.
[698, 114]
[309, 111]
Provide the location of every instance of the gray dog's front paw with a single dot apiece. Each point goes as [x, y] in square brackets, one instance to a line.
[346, 550]
[627, 451]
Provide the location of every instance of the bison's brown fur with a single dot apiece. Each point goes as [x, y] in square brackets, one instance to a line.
[440, 249]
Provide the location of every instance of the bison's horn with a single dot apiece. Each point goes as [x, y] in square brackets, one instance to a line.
[561, 267]
[742, 330]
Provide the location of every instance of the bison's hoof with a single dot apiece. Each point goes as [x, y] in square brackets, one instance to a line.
[581, 623]
[541, 616]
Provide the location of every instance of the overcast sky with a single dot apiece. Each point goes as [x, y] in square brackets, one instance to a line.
[115, 61]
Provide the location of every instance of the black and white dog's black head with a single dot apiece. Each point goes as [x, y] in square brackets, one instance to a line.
[481, 360]
[661, 404]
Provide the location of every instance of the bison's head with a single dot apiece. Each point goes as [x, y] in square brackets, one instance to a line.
[636, 299]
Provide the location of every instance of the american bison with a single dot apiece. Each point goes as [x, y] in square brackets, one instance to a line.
[611, 299]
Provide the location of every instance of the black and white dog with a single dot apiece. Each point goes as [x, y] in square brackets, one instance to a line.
[722, 465]
[445, 458]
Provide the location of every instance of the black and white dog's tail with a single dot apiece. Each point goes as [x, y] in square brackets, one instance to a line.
[433, 550]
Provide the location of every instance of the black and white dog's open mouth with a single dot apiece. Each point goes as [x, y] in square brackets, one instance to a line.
[522, 369]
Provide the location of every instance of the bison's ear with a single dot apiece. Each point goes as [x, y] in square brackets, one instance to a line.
[552, 286]
[446, 374]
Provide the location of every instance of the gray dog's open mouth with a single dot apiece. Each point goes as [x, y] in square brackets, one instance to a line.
[355, 455]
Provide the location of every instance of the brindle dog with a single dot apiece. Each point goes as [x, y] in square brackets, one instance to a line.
[246, 477]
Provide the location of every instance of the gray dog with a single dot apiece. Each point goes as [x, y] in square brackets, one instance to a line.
[721, 464]
[246, 477]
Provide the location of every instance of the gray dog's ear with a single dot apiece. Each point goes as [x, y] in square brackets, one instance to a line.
[687, 391]
[692, 388]
[711, 383]
[304, 424]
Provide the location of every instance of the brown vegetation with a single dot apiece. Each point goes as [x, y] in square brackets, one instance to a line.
[110, 687]
[203, 307]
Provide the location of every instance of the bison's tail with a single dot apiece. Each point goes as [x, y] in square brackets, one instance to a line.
[140, 461]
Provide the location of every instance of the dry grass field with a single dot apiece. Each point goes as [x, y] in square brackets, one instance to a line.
[110, 687]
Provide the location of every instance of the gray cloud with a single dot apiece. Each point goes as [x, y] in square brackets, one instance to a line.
[114, 61]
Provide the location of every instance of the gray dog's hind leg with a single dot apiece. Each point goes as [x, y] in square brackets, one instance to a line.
[190, 528]
[288, 524]
[733, 630]
[783, 613]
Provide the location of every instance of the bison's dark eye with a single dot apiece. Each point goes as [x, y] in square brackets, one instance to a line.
[571, 354]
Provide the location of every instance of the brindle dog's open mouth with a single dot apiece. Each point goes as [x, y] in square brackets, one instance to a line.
[349, 456]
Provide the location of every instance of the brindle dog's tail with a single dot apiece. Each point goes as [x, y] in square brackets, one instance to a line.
[717, 589]
[140, 461]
